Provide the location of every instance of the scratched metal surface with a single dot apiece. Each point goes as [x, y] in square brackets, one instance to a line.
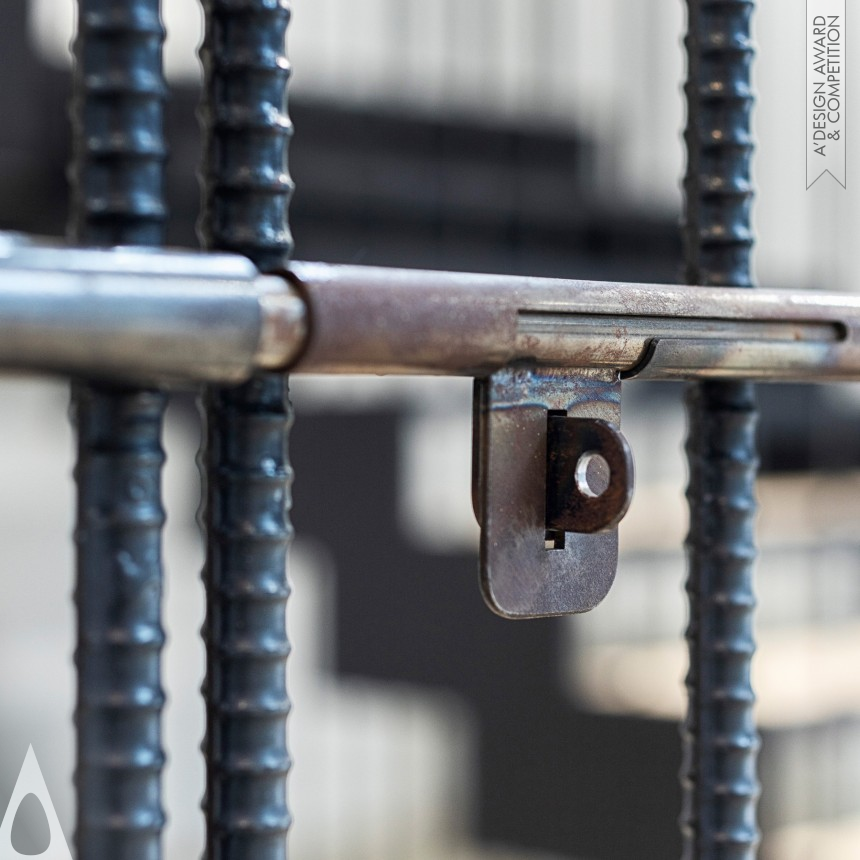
[520, 576]
[377, 320]
[117, 180]
[246, 192]
[719, 778]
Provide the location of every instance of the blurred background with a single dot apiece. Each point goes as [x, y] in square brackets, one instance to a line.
[518, 136]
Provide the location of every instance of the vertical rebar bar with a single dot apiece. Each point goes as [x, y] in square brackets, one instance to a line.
[246, 192]
[117, 176]
[117, 198]
[719, 779]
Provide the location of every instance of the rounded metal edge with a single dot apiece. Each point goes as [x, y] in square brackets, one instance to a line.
[283, 323]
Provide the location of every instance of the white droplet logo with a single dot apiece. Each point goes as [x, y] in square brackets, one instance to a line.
[31, 781]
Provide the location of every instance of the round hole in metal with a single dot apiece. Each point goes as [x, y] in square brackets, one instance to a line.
[592, 475]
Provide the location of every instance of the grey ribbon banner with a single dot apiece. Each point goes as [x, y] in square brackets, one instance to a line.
[825, 91]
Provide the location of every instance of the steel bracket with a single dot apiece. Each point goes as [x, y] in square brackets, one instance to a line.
[552, 476]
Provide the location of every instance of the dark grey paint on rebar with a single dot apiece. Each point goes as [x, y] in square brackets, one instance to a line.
[118, 596]
[246, 192]
[246, 187]
[117, 181]
[117, 121]
[718, 819]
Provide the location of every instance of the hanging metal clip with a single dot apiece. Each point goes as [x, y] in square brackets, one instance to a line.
[552, 478]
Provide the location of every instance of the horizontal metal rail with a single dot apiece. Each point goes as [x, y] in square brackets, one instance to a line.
[182, 318]
[142, 315]
[370, 320]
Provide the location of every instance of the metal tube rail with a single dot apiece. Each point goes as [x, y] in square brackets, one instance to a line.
[184, 318]
[132, 314]
[381, 321]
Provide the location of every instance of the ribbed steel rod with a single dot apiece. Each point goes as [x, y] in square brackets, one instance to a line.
[117, 198]
[246, 192]
[719, 779]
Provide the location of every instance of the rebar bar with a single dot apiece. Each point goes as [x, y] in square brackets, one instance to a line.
[117, 122]
[118, 596]
[116, 184]
[246, 191]
[718, 819]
